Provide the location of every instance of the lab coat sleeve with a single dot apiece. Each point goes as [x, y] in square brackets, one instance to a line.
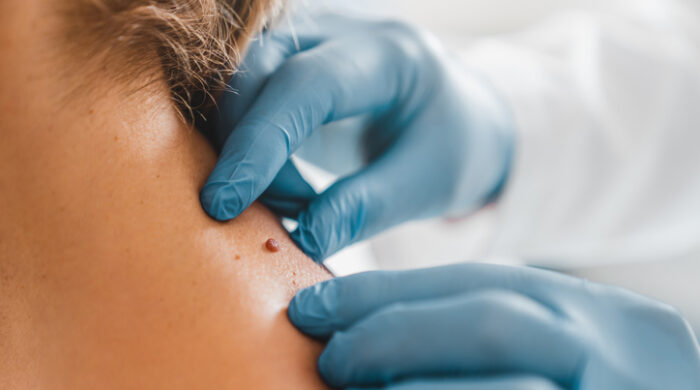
[607, 162]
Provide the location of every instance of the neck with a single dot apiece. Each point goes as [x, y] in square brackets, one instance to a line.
[68, 129]
[56, 146]
[41, 135]
[48, 97]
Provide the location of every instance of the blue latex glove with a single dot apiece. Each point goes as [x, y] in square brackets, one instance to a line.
[396, 330]
[439, 140]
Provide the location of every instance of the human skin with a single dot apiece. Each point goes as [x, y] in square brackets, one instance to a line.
[111, 275]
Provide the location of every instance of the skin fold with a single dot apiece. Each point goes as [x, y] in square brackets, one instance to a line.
[111, 275]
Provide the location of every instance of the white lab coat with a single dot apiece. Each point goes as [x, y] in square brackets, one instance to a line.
[607, 107]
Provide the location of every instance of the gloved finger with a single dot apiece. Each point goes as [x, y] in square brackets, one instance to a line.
[263, 58]
[332, 81]
[504, 382]
[334, 219]
[391, 190]
[488, 331]
[289, 193]
[338, 303]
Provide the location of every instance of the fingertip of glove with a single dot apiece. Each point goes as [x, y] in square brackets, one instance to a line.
[216, 202]
[312, 310]
[306, 240]
[296, 310]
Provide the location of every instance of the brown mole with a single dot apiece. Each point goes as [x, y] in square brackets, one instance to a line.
[272, 245]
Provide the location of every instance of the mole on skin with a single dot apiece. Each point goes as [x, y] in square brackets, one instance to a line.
[272, 245]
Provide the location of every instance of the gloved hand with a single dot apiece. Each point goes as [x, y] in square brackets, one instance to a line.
[439, 139]
[464, 323]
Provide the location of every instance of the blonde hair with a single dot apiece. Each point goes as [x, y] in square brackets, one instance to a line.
[197, 44]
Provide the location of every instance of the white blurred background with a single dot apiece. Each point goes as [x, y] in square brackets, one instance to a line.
[456, 21]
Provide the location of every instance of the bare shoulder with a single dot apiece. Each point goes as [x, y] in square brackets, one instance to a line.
[126, 283]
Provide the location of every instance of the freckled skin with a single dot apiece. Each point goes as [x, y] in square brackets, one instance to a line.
[114, 281]
[111, 275]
